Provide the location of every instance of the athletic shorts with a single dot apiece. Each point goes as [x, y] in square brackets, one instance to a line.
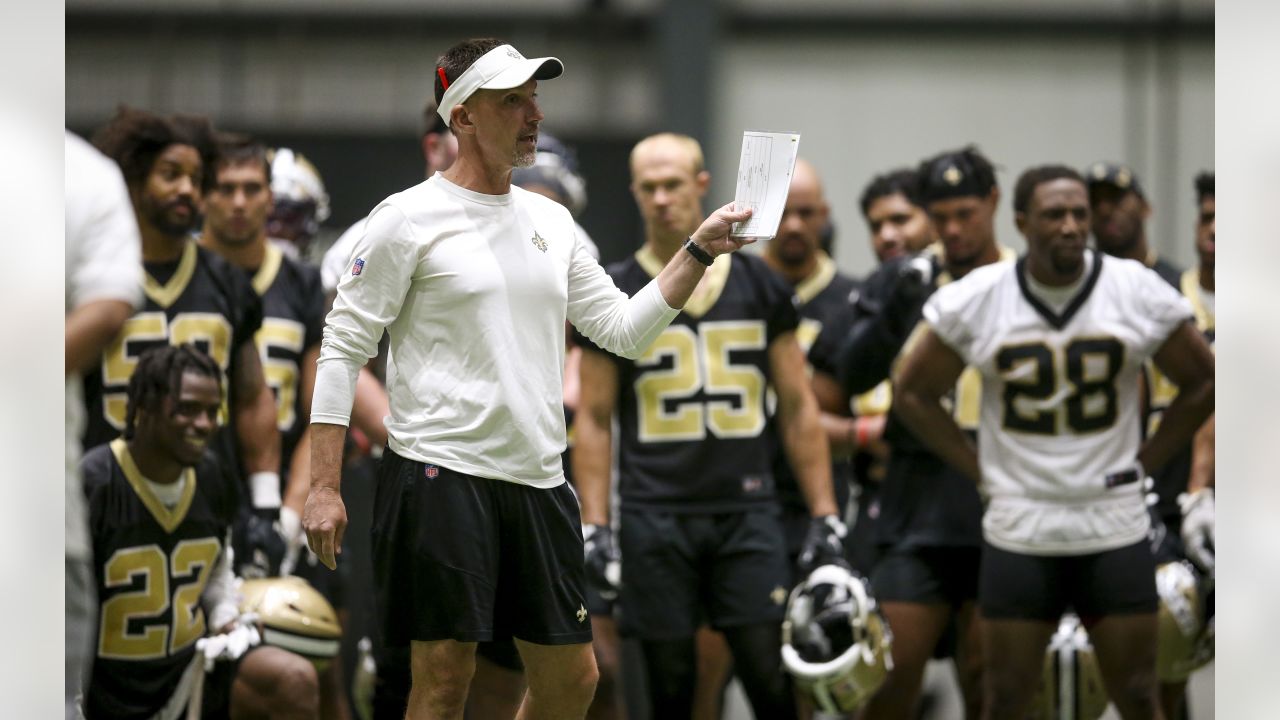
[682, 569]
[927, 575]
[473, 559]
[218, 683]
[1042, 587]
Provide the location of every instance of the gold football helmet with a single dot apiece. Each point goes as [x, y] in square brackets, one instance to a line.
[834, 641]
[1071, 687]
[1185, 639]
[294, 616]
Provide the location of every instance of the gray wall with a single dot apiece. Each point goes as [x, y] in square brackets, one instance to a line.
[871, 85]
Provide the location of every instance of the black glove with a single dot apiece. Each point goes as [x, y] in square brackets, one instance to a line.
[823, 544]
[915, 284]
[603, 560]
[259, 547]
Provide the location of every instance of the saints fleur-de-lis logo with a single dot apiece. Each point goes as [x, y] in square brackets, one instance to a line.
[953, 176]
[539, 242]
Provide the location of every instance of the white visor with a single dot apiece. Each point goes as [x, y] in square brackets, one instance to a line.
[499, 69]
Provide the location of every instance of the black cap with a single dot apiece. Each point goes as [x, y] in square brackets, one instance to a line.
[1115, 175]
[956, 174]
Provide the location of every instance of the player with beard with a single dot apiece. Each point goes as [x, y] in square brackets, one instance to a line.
[192, 296]
[476, 534]
[1119, 209]
[928, 533]
[1060, 339]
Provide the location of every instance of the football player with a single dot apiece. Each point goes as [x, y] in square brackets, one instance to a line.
[1060, 338]
[700, 538]
[898, 226]
[192, 296]
[161, 510]
[235, 227]
[1119, 209]
[928, 531]
[796, 254]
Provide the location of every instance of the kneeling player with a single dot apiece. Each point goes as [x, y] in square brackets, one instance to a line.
[1060, 338]
[160, 512]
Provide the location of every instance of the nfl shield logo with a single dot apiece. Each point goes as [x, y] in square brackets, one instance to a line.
[432, 472]
[357, 266]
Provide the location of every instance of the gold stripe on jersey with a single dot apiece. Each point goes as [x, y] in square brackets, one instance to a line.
[1191, 289]
[167, 294]
[166, 518]
[817, 281]
[704, 296]
[266, 274]
[875, 401]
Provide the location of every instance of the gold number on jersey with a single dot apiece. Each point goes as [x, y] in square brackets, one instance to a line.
[701, 361]
[193, 559]
[282, 373]
[114, 638]
[1032, 381]
[208, 331]
[188, 570]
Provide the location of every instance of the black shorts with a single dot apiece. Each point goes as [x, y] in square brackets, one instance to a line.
[927, 575]
[681, 569]
[472, 559]
[1042, 587]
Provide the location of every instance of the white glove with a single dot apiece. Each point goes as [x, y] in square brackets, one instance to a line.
[231, 644]
[1198, 527]
[295, 538]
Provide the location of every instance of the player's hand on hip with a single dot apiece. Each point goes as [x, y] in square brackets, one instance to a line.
[713, 234]
[324, 518]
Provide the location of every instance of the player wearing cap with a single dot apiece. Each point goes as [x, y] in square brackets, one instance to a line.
[476, 535]
[928, 530]
[1120, 210]
[1060, 338]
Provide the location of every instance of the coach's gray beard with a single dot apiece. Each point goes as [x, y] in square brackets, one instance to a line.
[524, 159]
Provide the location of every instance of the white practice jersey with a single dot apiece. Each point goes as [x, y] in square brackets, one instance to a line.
[1060, 398]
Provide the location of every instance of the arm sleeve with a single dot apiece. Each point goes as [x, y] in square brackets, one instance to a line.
[604, 314]
[366, 304]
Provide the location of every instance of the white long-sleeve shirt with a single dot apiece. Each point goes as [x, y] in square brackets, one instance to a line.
[103, 262]
[474, 291]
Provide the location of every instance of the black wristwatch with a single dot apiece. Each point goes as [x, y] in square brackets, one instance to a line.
[698, 253]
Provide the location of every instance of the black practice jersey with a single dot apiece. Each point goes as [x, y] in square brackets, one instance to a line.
[200, 299]
[292, 321]
[152, 564]
[691, 410]
[1171, 480]
[923, 501]
[820, 299]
